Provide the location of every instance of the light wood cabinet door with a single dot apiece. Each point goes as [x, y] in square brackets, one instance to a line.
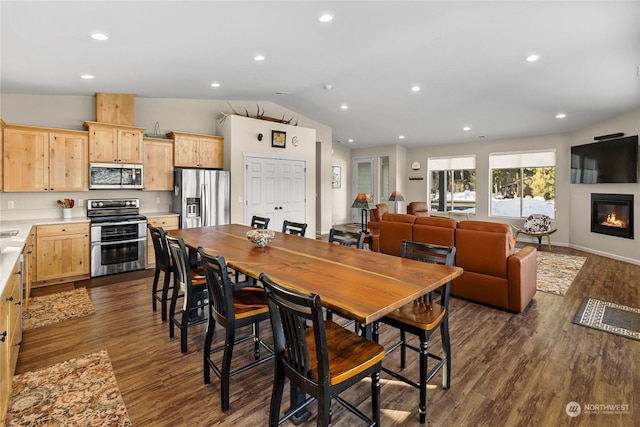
[158, 165]
[103, 144]
[62, 251]
[197, 151]
[26, 160]
[28, 266]
[111, 143]
[186, 151]
[210, 150]
[167, 223]
[68, 162]
[11, 335]
[129, 146]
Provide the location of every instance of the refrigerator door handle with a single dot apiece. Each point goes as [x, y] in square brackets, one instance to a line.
[204, 214]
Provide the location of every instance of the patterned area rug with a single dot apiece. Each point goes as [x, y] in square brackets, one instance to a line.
[556, 271]
[57, 307]
[609, 317]
[79, 392]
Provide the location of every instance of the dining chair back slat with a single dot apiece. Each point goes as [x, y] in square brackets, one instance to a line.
[347, 238]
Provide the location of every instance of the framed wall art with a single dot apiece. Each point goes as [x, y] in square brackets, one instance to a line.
[278, 139]
[336, 177]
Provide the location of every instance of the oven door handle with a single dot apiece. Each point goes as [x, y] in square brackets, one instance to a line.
[119, 242]
[108, 224]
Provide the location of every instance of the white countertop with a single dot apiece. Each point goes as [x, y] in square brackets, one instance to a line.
[11, 247]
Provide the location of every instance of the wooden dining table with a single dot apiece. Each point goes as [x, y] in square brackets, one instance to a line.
[360, 285]
[357, 284]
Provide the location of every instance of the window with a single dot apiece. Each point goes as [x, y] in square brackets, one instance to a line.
[452, 184]
[523, 184]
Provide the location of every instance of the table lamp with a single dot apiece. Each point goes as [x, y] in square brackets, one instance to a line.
[396, 196]
[362, 202]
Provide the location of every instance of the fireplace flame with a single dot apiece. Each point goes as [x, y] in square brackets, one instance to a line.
[613, 221]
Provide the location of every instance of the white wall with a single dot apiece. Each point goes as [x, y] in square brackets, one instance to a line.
[340, 207]
[241, 140]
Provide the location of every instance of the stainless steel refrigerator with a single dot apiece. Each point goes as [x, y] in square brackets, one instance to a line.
[202, 197]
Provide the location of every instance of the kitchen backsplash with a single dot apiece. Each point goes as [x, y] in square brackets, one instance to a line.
[43, 205]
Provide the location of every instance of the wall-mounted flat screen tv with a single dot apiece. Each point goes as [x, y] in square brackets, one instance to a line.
[610, 161]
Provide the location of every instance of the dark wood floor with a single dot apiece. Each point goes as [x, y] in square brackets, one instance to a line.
[508, 369]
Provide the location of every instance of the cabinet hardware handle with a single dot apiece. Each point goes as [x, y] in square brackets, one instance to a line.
[10, 299]
[3, 336]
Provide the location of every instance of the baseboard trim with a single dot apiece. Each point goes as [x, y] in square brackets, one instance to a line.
[606, 254]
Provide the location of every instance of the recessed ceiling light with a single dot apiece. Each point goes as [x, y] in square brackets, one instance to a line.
[466, 128]
[215, 84]
[99, 36]
[259, 58]
[328, 87]
[401, 137]
[532, 58]
[350, 140]
[561, 116]
[344, 106]
[325, 18]
[416, 89]
[86, 76]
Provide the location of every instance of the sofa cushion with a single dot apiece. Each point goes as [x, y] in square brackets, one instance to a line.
[435, 230]
[394, 228]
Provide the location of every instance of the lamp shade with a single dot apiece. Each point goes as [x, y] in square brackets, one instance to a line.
[362, 201]
[396, 196]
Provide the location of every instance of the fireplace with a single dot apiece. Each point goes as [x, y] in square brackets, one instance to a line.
[612, 214]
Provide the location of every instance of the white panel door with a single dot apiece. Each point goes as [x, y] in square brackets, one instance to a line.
[276, 189]
[364, 179]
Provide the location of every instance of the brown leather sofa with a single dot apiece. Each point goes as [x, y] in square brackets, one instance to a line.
[418, 209]
[494, 274]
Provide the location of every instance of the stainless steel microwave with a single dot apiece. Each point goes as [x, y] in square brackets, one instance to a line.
[114, 176]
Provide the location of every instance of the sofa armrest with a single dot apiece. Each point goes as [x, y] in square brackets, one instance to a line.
[522, 273]
[375, 242]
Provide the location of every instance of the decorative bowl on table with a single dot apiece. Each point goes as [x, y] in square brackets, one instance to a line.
[260, 237]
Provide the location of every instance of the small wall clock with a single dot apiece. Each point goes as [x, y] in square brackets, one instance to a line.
[415, 166]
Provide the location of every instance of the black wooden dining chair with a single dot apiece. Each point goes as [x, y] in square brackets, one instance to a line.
[295, 228]
[189, 285]
[421, 318]
[232, 306]
[322, 359]
[260, 222]
[347, 238]
[164, 266]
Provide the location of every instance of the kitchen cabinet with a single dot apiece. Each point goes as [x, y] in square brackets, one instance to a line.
[28, 266]
[158, 164]
[111, 143]
[62, 253]
[42, 159]
[197, 151]
[10, 334]
[170, 222]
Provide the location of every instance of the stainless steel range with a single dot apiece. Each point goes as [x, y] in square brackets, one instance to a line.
[118, 236]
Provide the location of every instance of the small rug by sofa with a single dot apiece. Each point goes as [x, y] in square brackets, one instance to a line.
[79, 392]
[556, 272]
[57, 307]
[609, 317]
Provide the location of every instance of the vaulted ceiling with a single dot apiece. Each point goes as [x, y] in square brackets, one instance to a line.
[467, 58]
